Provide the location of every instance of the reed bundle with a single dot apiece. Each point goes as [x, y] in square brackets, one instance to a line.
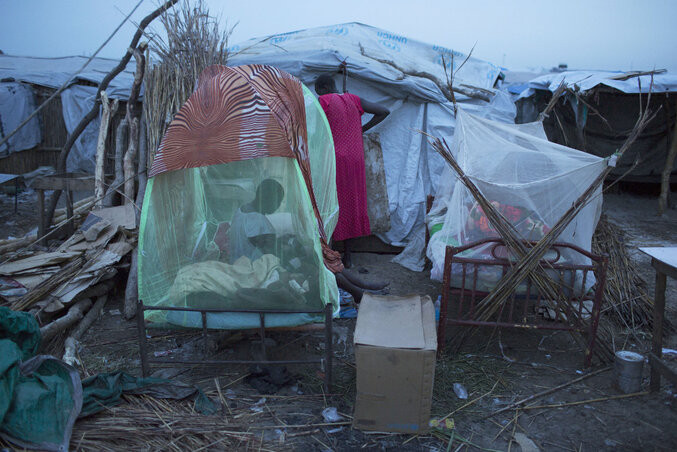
[626, 299]
[146, 423]
[193, 43]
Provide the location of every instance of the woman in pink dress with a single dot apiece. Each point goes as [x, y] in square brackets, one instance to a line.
[344, 112]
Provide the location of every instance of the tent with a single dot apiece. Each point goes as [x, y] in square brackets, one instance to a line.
[25, 82]
[408, 77]
[598, 118]
[531, 181]
[248, 156]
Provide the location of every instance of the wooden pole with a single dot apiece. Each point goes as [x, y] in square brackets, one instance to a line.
[72, 340]
[667, 172]
[109, 109]
[133, 121]
[128, 161]
[657, 331]
[142, 168]
[132, 290]
[120, 135]
[75, 313]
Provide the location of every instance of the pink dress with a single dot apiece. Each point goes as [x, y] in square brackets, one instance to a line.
[344, 113]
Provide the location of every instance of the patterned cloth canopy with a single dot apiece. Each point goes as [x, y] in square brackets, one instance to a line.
[236, 113]
[241, 113]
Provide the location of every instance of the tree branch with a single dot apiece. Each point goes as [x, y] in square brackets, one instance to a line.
[466, 90]
[93, 113]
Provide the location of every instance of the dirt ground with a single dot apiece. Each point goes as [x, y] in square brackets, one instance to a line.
[497, 368]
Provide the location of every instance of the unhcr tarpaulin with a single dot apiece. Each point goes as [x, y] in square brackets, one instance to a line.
[397, 72]
[17, 102]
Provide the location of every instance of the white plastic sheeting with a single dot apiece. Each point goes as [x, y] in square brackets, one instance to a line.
[531, 181]
[76, 102]
[586, 80]
[16, 104]
[54, 72]
[411, 166]
[365, 49]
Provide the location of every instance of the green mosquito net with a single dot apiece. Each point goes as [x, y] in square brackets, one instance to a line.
[235, 225]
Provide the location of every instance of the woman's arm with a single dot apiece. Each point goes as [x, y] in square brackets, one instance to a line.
[379, 111]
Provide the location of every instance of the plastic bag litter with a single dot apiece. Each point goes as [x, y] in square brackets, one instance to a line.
[330, 414]
[460, 391]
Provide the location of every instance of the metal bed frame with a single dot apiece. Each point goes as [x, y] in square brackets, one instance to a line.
[325, 361]
[515, 311]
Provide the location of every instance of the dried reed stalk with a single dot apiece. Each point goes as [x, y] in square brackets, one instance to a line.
[626, 297]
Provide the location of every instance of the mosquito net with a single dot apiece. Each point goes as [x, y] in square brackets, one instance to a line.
[531, 181]
[242, 232]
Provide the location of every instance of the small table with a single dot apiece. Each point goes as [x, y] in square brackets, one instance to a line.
[8, 177]
[664, 261]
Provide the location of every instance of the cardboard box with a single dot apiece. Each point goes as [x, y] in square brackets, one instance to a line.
[395, 349]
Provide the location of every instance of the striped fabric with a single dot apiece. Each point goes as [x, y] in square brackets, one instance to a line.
[241, 113]
[236, 113]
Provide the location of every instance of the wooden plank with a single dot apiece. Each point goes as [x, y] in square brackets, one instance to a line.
[73, 182]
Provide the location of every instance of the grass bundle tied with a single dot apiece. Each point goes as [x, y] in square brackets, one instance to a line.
[529, 259]
[193, 43]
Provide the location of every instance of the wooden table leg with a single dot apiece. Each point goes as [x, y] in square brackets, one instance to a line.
[657, 333]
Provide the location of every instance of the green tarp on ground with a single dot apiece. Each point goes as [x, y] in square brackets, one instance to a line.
[41, 396]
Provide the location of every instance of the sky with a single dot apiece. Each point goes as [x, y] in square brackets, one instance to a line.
[515, 34]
